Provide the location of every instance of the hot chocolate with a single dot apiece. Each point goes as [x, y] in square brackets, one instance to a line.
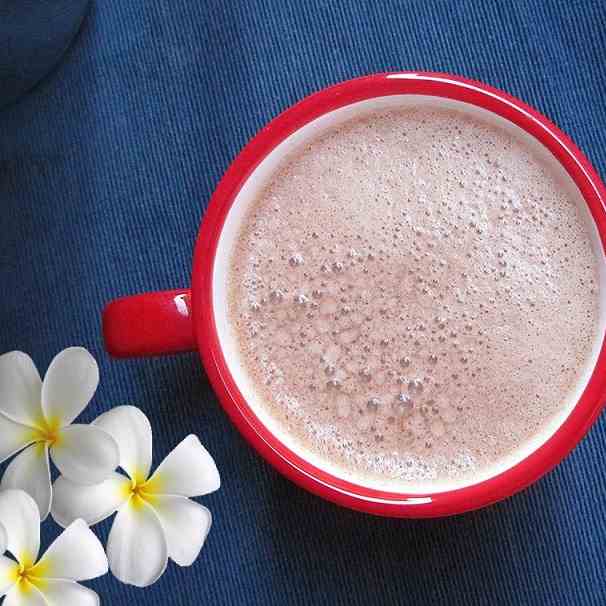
[414, 295]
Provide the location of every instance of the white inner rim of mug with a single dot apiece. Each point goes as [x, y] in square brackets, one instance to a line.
[228, 340]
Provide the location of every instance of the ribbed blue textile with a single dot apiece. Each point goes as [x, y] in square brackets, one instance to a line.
[34, 34]
[105, 170]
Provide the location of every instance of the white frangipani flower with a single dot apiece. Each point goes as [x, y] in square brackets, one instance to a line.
[156, 519]
[76, 555]
[37, 417]
[3, 539]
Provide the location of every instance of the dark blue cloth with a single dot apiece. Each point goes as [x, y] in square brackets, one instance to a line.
[34, 34]
[105, 171]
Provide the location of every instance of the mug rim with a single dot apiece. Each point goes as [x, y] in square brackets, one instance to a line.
[279, 455]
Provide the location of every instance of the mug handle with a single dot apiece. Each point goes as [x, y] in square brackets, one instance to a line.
[149, 324]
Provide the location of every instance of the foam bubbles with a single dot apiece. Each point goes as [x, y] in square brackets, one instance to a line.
[397, 291]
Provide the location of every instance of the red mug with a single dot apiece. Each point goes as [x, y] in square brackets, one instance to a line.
[193, 319]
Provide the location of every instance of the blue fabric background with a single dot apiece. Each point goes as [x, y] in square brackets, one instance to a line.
[105, 170]
[34, 34]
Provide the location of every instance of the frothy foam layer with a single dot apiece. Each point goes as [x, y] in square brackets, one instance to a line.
[414, 295]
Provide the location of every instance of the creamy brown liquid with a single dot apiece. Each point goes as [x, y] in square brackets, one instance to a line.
[415, 296]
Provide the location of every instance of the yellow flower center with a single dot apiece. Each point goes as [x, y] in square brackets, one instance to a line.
[48, 432]
[137, 492]
[23, 573]
[27, 575]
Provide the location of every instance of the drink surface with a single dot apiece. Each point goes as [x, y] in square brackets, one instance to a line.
[414, 295]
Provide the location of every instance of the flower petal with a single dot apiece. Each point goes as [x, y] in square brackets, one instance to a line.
[13, 437]
[24, 594]
[68, 593]
[30, 471]
[20, 387]
[8, 573]
[85, 454]
[91, 503]
[76, 554]
[132, 431]
[186, 525]
[188, 470]
[3, 539]
[20, 517]
[137, 548]
[69, 385]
